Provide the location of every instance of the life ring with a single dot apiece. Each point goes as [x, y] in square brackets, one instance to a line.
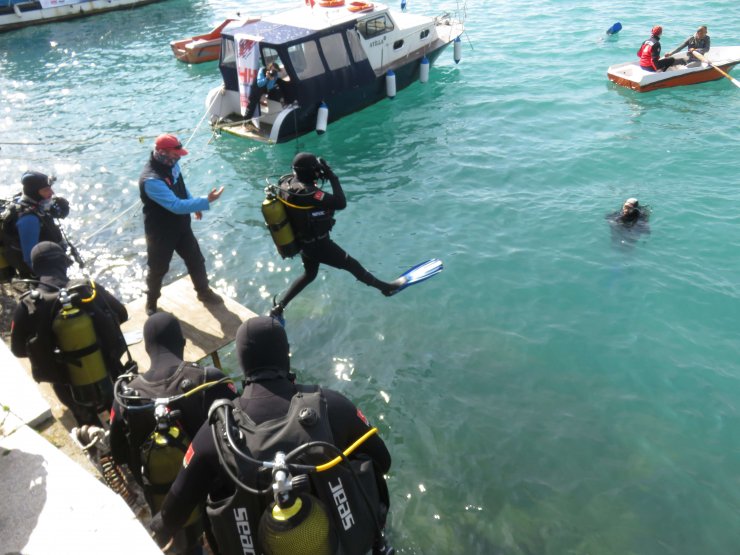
[360, 6]
[331, 3]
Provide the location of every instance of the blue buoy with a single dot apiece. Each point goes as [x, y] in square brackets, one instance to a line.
[403, 5]
[614, 29]
[424, 70]
[457, 50]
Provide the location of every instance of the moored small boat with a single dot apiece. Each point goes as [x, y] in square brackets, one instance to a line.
[334, 58]
[15, 14]
[632, 76]
[205, 47]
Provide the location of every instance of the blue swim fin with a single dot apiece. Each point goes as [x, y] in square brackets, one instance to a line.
[417, 274]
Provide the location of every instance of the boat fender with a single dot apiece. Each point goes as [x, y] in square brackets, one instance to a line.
[457, 50]
[424, 70]
[322, 117]
[390, 84]
[614, 29]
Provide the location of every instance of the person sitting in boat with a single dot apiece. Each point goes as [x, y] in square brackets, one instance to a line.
[649, 53]
[268, 82]
[698, 42]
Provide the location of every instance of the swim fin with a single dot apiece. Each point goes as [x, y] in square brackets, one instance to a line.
[417, 274]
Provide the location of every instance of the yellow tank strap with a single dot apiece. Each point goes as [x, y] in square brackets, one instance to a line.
[94, 293]
[348, 451]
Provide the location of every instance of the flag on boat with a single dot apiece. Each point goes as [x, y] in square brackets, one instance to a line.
[247, 66]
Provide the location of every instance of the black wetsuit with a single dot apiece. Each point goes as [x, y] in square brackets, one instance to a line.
[167, 376]
[203, 476]
[312, 218]
[32, 336]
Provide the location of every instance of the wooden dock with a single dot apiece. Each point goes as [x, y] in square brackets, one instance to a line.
[206, 327]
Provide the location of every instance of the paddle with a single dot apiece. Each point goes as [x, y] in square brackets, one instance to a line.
[724, 74]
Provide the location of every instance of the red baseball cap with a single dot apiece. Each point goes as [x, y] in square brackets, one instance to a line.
[170, 142]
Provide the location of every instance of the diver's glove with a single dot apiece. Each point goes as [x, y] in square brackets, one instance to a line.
[59, 208]
[325, 169]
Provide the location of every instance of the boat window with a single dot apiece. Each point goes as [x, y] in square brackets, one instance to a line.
[305, 59]
[270, 55]
[228, 54]
[398, 44]
[334, 51]
[358, 53]
[424, 34]
[375, 26]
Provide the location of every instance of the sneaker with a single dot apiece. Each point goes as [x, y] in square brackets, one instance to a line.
[209, 296]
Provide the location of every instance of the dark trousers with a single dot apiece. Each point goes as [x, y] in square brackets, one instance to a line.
[159, 250]
[326, 251]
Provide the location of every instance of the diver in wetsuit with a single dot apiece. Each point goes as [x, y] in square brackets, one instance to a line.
[311, 215]
[630, 212]
[276, 414]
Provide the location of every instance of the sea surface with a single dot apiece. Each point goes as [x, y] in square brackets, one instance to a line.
[561, 388]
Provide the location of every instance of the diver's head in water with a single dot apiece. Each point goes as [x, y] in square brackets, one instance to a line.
[630, 210]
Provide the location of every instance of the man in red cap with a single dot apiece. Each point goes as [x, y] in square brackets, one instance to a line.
[167, 208]
[649, 53]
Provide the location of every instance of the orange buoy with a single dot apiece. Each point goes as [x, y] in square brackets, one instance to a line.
[331, 3]
[360, 6]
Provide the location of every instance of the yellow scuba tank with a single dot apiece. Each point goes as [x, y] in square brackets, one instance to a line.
[161, 460]
[301, 528]
[276, 219]
[6, 270]
[75, 336]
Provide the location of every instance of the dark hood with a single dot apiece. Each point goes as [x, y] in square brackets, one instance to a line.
[33, 182]
[50, 263]
[261, 344]
[164, 343]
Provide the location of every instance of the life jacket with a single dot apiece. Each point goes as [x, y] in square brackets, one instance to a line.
[308, 221]
[235, 519]
[157, 219]
[648, 48]
[12, 211]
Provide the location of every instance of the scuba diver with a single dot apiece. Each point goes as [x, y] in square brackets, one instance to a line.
[310, 212]
[629, 223]
[29, 219]
[348, 501]
[70, 331]
[152, 444]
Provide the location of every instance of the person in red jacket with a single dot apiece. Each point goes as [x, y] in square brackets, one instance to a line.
[649, 53]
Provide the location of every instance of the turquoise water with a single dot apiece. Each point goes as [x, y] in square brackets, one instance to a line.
[558, 389]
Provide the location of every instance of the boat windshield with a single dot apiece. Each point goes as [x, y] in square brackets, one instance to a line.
[375, 26]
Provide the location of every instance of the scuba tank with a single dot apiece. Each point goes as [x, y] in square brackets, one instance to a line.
[296, 522]
[276, 219]
[161, 459]
[75, 335]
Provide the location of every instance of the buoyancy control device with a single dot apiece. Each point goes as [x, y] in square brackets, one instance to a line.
[328, 508]
[80, 352]
[276, 219]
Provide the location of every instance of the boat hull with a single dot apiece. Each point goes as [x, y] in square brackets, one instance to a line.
[30, 13]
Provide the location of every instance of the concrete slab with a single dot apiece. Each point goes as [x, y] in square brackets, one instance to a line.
[20, 394]
[51, 505]
[206, 327]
